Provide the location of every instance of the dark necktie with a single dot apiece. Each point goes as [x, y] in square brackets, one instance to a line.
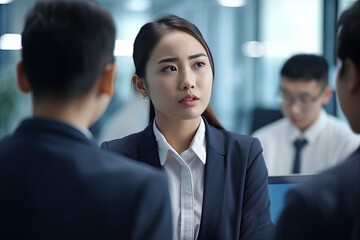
[298, 144]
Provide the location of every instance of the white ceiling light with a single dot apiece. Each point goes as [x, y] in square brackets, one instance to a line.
[232, 3]
[253, 49]
[137, 5]
[5, 1]
[10, 41]
[123, 48]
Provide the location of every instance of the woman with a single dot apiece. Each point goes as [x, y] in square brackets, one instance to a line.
[217, 179]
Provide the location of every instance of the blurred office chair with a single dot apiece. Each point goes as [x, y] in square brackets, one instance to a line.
[263, 116]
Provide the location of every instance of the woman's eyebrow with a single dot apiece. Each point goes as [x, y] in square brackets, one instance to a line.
[168, 60]
[197, 55]
[174, 59]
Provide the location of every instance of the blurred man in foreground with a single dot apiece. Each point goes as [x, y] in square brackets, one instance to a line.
[328, 206]
[54, 181]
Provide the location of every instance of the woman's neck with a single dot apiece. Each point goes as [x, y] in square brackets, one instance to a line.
[177, 132]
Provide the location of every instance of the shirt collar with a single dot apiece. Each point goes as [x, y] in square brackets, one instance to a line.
[198, 144]
[312, 132]
[78, 127]
[83, 130]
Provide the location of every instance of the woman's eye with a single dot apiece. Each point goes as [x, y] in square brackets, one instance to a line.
[199, 64]
[169, 69]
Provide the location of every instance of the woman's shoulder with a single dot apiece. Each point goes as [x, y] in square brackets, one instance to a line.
[240, 151]
[123, 143]
[230, 138]
[229, 134]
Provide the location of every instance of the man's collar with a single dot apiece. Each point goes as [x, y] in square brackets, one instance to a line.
[311, 132]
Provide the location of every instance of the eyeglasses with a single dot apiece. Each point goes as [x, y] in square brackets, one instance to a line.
[303, 101]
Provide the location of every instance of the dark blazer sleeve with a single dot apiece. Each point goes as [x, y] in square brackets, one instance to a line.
[256, 222]
[324, 207]
[153, 216]
[153, 213]
[298, 221]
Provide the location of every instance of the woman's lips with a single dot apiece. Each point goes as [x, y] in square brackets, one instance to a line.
[189, 100]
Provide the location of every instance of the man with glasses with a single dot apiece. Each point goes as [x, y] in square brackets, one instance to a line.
[307, 140]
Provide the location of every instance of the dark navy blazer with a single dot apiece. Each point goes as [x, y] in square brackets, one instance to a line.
[325, 207]
[56, 184]
[236, 202]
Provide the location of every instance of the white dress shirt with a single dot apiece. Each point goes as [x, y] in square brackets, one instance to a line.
[84, 130]
[185, 173]
[329, 141]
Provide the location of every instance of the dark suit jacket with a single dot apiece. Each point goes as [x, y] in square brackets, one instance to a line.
[325, 207]
[236, 201]
[56, 184]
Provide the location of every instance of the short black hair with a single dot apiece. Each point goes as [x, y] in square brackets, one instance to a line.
[65, 46]
[349, 34]
[306, 67]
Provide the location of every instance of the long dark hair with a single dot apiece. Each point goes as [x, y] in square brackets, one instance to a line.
[148, 37]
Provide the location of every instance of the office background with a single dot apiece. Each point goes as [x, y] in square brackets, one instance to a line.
[249, 39]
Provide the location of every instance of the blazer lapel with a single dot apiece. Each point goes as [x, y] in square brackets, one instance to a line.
[214, 181]
[148, 150]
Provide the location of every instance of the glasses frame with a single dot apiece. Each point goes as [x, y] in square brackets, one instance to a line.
[301, 103]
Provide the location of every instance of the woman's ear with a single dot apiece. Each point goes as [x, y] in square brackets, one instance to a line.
[140, 85]
[22, 79]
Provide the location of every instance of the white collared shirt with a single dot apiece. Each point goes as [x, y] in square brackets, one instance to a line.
[83, 130]
[185, 173]
[329, 141]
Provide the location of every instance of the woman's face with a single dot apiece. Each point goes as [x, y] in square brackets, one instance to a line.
[179, 77]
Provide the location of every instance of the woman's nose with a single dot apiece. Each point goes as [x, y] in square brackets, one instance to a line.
[188, 81]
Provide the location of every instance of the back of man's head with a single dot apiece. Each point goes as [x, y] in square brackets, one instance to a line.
[308, 67]
[349, 35]
[65, 46]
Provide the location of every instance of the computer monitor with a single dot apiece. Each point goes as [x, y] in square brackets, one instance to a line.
[278, 187]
